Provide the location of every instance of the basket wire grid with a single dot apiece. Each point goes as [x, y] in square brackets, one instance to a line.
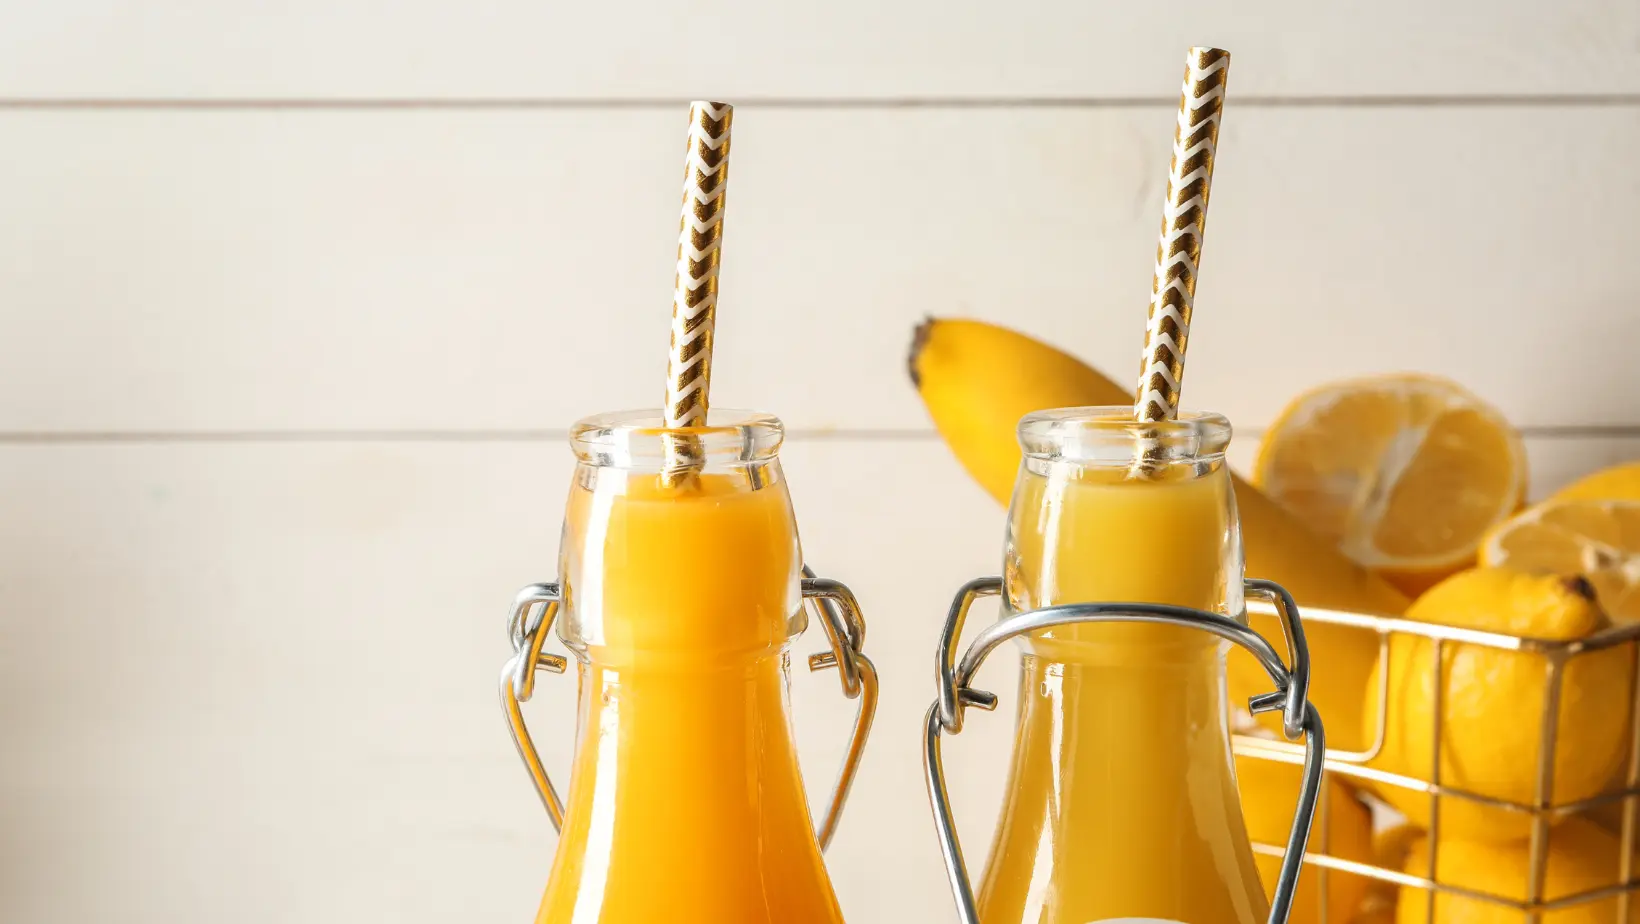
[1543, 811]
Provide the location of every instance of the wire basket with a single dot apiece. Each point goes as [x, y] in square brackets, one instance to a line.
[1542, 812]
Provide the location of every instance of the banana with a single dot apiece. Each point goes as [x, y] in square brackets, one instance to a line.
[978, 380]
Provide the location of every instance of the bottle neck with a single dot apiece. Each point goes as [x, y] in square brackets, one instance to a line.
[686, 780]
[1152, 726]
[1096, 535]
[1122, 768]
[1163, 709]
[702, 571]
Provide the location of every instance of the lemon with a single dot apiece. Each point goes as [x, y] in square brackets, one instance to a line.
[1610, 818]
[1620, 482]
[979, 379]
[1405, 473]
[1580, 857]
[1389, 851]
[1598, 540]
[1493, 702]
[1269, 794]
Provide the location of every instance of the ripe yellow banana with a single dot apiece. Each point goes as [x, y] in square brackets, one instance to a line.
[978, 380]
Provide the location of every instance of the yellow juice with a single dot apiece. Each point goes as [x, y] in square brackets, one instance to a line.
[685, 803]
[1122, 798]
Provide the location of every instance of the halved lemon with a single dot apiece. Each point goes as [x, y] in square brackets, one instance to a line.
[1406, 473]
[1597, 540]
[1620, 482]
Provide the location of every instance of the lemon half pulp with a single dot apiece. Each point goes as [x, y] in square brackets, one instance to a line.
[1405, 473]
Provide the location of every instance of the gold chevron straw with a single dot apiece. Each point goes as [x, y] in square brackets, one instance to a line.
[1179, 252]
[695, 291]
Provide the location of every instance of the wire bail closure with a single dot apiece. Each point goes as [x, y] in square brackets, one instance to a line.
[535, 609]
[1291, 698]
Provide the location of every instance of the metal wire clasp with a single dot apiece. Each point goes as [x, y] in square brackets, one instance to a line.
[536, 608]
[1291, 696]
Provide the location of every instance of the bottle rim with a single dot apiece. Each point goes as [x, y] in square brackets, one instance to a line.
[1110, 434]
[638, 437]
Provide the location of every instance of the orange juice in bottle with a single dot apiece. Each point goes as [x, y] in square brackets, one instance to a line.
[1122, 798]
[679, 602]
[1122, 580]
[682, 589]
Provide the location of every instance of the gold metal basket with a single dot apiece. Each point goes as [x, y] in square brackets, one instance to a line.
[1543, 812]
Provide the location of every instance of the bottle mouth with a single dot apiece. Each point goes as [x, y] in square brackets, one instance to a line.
[1110, 435]
[641, 438]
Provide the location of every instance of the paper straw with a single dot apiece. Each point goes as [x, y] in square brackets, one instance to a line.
[695, 291]
[1179, 252]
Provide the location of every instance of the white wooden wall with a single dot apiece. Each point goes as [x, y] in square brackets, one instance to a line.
[297, 300]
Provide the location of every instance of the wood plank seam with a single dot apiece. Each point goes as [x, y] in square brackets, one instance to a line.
[367, 104]
[1544, 432]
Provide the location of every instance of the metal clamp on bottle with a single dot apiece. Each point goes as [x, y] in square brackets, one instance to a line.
[956, 694]
[535, 609]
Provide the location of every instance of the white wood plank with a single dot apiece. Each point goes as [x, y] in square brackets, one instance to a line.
[332, 271]
[852, 48]
[253, 681]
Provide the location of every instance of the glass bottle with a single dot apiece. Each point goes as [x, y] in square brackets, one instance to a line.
[1122, 797]
[679, 603]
